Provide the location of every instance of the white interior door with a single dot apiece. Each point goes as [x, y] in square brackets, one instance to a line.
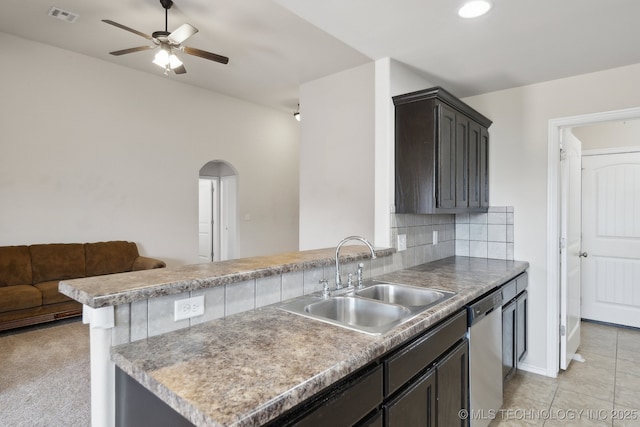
[205, 220]
[611, 237]
[570, 246]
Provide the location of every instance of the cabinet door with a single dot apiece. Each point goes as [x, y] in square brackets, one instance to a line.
[484, 167]
[508, 339]
[414, 157]
[416, 406]
[521, 327]
[453, 386]
[474, 164]
[462, 161]
[446, 157]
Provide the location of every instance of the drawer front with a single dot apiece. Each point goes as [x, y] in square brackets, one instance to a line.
[407, 362]
[509, 291]
[350, 404]
[522, 281]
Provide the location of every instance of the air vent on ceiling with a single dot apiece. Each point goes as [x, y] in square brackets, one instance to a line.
[63, 14]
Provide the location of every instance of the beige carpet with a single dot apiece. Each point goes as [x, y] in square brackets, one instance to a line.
[44, 375]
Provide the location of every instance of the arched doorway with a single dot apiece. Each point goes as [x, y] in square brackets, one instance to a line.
[217, 212]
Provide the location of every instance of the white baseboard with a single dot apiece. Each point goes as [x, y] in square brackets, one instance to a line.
[535, 370]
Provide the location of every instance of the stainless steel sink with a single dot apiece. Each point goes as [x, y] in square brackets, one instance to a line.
[374, 310]
[412, 297]
[357, 311]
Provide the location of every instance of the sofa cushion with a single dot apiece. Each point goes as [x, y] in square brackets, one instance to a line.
[50, 294]
[57, 261]
[110, 257]
[18, 297]
[15, 266]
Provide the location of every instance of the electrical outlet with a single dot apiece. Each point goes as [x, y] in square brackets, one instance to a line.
[435, 237]
[190, 307]
[402, 242]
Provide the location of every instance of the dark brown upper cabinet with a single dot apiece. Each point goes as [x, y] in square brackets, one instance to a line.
[441, 154]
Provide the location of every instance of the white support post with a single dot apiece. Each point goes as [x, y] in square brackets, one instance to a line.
[103, 408]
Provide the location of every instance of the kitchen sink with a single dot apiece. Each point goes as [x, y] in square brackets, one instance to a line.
[375, 309]
[412, 297]
[357, 311]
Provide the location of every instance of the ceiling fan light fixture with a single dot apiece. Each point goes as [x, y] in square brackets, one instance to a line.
[474, 9]
[174, 61]
[162, 58]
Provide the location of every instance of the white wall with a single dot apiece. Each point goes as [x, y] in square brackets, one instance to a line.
[609, 135]
[337, 158]
[391, 78]
[93, 151]
[518, 166]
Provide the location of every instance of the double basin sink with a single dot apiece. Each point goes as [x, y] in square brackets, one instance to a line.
[374, 309]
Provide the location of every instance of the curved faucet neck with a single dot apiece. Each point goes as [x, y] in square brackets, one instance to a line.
[342, 242]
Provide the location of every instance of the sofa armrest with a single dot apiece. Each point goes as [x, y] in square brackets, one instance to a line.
[145, 263]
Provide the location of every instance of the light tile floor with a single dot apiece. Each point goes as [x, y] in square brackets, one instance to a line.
[602, 391]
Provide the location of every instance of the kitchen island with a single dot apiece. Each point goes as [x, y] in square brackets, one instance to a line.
[248, 368]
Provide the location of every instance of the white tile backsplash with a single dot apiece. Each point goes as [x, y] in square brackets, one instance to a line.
[478, 232]
[497, 233]
[419, 231]
[121, 333]
[462, 231]
[478, 249]
[497, 218]
[311, 280]
[485, 235]
[292, 285]
[161, 314]
[213, 304]
[462, 247]
[268, 290]
[239, 297]
[139, 320]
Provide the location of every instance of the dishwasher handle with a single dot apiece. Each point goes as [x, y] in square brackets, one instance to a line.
[478, 310]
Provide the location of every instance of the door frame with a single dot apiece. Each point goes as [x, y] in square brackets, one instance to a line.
[553, 220]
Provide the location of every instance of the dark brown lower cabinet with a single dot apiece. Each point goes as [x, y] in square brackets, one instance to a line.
[453, 386]
[415, 406]
[521, 327]
[436, 397]
[347, 405]
[508, 339]
[514, 324]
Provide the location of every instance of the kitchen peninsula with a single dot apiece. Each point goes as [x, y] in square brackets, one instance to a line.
[250, 366]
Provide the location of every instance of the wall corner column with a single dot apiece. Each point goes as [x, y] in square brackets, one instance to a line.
[101, 323]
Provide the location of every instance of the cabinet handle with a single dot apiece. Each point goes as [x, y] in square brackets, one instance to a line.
[583, 254]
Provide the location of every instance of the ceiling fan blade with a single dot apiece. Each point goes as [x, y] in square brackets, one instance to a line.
[115, 24]
[182, 33]
[131, 50]
[180, 70]
[204, 54]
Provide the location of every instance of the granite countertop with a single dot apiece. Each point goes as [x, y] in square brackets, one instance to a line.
[123, 288]
[247, 369]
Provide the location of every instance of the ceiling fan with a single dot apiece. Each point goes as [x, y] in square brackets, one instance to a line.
[168, 42]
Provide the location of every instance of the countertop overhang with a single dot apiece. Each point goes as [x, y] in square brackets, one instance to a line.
[249, 368]
[124, 288]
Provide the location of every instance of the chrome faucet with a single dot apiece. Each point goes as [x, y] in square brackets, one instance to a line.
[342, 242]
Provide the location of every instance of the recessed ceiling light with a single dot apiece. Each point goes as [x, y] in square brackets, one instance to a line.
[475, 8]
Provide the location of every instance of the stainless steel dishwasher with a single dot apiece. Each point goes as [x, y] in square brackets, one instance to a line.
[484, 318]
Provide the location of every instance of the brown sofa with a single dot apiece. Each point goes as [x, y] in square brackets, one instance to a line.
[29, 277]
